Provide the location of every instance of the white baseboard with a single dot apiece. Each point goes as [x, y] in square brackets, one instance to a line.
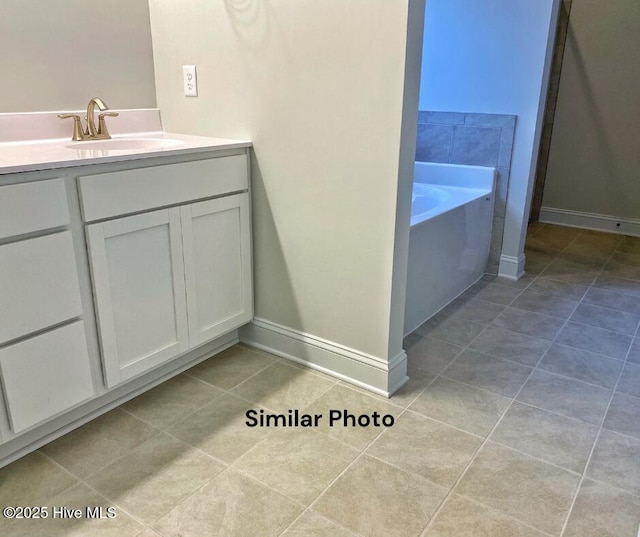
[364, 370]
[598, 222]
[511, 267]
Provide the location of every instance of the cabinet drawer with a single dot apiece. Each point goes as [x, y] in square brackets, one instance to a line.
[38, 285]
[45, 375]
[32, 207]
[112, 194]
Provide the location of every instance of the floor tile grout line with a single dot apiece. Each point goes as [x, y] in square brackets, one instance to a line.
[492, 356]
[555, 413]
[323, 491]
[576, 379]
[230, 391]
[199, 450]
[157, 432]
[406, 408]
[539, 361]
[439, 422]
[346, 385]
[589, 287]
[613, 390]
[269, 433]
[243, 473]
[308, 509]
[229, 468]
[486, 441]
[539, 274]
[192, 493]
[397, 407]
[616, 293]
[634, 495]
[189, 415]
[449, 489]
[233, 466]
[83, 482]
[467, 347]
[443, 375]
[614, 310]
[227, 390]
[598, 328]
[513, 399]
[181, 418]
[593, 447]
[599, 355]
[58, 465]
[535, 457]
[604, 415]
[547, 294]
[494, 510]
[226, 466]
[278, 360]
[338, 382]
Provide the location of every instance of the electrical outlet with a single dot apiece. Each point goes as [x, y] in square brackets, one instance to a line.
[190, 80]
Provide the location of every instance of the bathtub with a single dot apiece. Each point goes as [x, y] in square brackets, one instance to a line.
[451, 218]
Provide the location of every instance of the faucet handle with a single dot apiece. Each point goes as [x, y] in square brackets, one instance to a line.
[78, 132]
[102, 124]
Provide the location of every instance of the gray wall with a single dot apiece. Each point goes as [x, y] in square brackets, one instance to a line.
[494, 56]
[56, 55]
[318, 87]
[478, 140]
[594, 161]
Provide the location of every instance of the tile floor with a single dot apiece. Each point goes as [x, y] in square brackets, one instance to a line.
[521, 419]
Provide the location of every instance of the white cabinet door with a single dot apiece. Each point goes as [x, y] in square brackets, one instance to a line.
[217, 258]
[45, 375]
[138, 278]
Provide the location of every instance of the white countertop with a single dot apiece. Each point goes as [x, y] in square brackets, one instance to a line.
[33, 141]
[62, 153]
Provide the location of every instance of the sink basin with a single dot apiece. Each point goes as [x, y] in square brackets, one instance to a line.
[126, 144]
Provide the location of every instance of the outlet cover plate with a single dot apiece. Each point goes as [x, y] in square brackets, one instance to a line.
[190, 80]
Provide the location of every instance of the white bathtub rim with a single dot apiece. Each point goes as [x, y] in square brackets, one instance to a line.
[461, 175]
[462, 196]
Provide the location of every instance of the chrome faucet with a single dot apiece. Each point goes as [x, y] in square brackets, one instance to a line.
[91, 132]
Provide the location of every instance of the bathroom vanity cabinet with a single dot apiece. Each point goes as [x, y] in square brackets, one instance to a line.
[44, 362]
[114, 277]
[168, 280]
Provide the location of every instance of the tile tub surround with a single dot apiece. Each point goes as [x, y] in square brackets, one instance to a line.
[503, 430]
[475, 139]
